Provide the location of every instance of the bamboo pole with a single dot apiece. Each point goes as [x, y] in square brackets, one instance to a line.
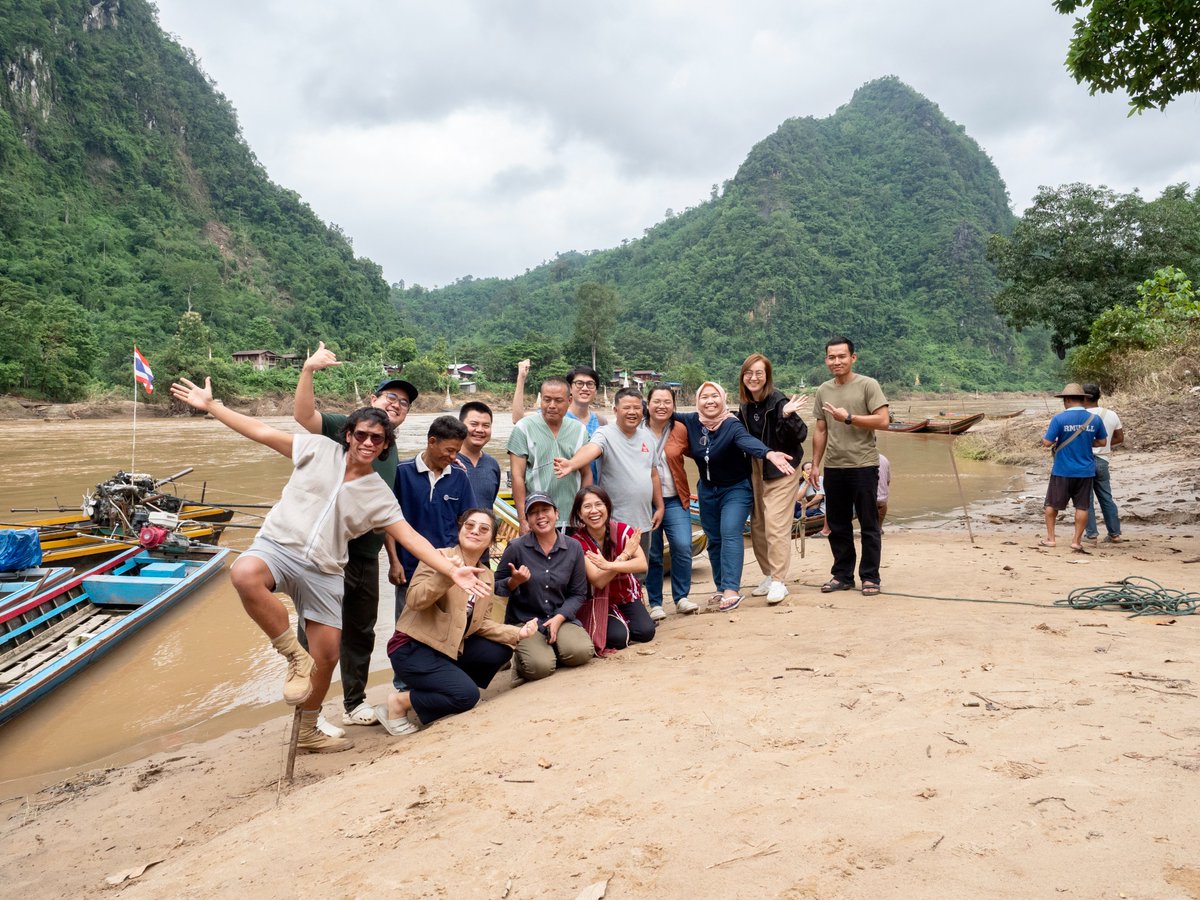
[961, 494]
[290, 772]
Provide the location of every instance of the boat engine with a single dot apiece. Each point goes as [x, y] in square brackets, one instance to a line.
[115, 502]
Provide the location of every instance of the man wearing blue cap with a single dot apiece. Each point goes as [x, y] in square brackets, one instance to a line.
[360, 603]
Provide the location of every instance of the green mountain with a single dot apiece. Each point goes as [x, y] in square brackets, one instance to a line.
[872, 222]
[128, 196]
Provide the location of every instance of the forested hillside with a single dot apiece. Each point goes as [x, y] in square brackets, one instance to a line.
[128, 196]
[872, 222]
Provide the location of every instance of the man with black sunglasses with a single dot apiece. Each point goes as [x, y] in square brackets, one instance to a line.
[360, 604]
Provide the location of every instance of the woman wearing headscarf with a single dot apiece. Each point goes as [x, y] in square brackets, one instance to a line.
[722, 449]
[774, 419]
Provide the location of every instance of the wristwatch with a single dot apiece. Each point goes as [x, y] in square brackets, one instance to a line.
[849, 418]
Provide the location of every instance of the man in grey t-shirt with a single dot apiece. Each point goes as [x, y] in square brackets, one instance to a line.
[628, 454]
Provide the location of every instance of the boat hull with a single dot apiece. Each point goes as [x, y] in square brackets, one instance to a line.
[51, 637]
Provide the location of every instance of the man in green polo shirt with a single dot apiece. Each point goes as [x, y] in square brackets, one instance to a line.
[360, 604]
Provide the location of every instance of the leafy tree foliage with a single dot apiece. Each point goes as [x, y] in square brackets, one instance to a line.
[1167, 314]
[1080, 250]
[1147, 48]
[872, 222]
[128, 197]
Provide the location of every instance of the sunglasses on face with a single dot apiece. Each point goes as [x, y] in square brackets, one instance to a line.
[368, 437]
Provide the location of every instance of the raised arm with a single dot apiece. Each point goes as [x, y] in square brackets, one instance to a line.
[305, 412]
[518, 402]
[201, 398]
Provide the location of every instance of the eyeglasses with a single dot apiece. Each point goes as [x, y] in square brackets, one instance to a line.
[584, 384]
[402, 402]
[369, 437]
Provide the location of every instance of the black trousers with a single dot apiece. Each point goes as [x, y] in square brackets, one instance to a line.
[439, 686]
[850, 492]
[639, 631]
[360, 609]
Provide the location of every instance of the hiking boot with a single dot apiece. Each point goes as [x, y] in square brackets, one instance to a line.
[298, 684]
[313, 740]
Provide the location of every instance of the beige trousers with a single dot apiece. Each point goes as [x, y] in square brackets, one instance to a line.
[771, 520]
[535, 657]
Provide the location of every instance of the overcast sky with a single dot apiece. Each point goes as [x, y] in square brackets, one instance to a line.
[482, 138]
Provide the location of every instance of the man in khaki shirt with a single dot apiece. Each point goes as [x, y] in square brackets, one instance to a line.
[850, 408]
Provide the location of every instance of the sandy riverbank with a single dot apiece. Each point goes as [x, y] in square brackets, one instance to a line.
[833, 746]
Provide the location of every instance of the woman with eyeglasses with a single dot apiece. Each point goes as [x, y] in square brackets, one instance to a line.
[676, 527]
[722, 449]
[775, 420]
[447, 647]
[613, 613]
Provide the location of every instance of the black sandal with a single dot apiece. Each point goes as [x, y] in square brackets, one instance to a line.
[870, 588]
[834, 585]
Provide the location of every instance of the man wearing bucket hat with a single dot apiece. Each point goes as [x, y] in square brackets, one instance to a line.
[1071, 436]
[360, 603]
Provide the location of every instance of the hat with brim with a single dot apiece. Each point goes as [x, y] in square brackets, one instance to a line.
[405, 386]
[533, 499]
[1073, 390]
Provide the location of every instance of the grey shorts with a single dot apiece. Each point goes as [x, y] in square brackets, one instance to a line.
[316, 595]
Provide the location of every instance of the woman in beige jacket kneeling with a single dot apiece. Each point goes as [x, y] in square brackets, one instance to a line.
[447, 646]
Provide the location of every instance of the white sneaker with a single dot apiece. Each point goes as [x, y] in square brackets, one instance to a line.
[363, 714]
[777, 592]
[684, 606]
[763, 588]
[326, 727]
[657, 614]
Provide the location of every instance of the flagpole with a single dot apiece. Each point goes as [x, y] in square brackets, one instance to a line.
[133, 455]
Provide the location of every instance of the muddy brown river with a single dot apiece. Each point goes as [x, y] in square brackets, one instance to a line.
[204, 669]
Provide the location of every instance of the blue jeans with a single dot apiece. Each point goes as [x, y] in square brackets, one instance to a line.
[1102, 491]
[677, 528]
[723, 514]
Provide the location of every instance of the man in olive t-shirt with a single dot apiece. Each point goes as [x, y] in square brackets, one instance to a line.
[849, 408]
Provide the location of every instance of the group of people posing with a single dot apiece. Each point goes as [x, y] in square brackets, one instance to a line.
[600, 504]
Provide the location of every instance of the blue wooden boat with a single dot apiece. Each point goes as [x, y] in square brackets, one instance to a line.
[24, 583]
[52, 635]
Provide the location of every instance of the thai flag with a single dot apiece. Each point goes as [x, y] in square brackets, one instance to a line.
[141, 371]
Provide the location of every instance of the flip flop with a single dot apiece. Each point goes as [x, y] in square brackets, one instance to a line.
[1045, 543]
[1114, 539]
[732, 604]
[394, 727]
[1075, 549]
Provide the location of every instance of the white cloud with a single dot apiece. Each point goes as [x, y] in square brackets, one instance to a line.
[480, 138]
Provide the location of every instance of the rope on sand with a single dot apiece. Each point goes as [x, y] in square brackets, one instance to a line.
[1135, 594]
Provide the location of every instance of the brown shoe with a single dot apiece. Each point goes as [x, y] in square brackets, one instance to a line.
[313, 740]
[298, 684]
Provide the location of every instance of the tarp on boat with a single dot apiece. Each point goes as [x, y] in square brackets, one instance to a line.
[20, 548]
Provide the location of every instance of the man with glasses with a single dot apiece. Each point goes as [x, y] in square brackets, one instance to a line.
[534, 444]
[360, 604]
[582, 382]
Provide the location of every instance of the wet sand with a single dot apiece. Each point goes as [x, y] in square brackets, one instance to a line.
[833, 746]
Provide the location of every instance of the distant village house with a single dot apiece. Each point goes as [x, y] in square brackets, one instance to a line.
[267, 359]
